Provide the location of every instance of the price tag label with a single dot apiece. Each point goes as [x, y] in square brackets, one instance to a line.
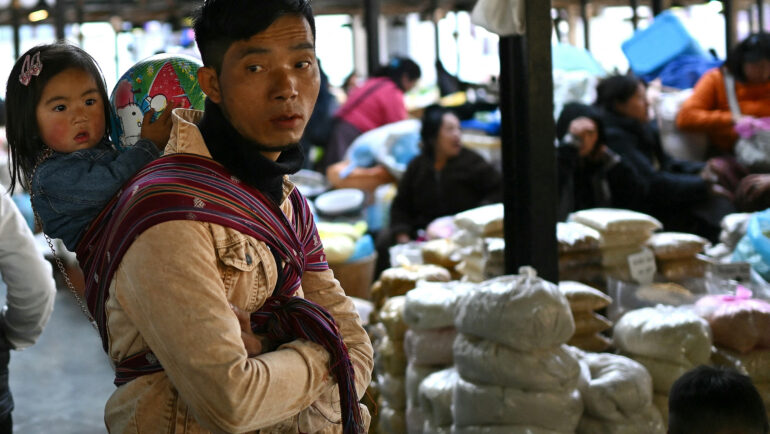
[642, 266]
[740, 271]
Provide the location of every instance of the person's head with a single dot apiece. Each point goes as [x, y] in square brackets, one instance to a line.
[403, 71]
[575, 111]
[59, 101]
[708, 400]
[351, 82]
[749, 61]
[259, 67]
[624, 95]
[440, 133]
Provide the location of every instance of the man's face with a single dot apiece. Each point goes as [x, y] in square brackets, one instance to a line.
[269, 83]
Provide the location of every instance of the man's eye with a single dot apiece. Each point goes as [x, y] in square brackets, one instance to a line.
[255, 68]
[303, 64]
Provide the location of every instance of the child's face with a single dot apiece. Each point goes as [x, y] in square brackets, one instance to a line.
[70, 113]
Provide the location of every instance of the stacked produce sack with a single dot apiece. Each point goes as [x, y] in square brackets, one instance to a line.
[623, 233]
[397, 281]
[479, 241]
[617, 396]
[675, 254]
[668, 341]
[515, 373]
[741, 328]
[429, 312]
[390, 368]
[584, 301]
[441, 252]
[579, 256]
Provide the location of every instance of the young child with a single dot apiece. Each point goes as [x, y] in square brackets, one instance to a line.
[709, 400]
[58, 135]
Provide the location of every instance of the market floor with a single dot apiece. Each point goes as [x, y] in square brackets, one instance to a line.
[62, 382]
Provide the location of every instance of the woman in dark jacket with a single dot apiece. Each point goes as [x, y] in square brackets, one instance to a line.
[590, 174]
[444, 179]
[684, 195]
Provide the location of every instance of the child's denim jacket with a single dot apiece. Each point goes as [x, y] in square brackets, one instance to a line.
[70, 190]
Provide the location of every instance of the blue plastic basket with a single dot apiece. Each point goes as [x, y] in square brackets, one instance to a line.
[652, 48]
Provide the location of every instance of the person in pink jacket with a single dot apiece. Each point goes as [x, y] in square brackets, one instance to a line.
[379, 101]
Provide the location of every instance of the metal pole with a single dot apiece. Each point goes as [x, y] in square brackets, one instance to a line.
[372, 26]
[586, 23]
[729, 12]
[528, 152]
[16, 24]
[59, 19]
[657, 7]
[634, 17]
[761, 15]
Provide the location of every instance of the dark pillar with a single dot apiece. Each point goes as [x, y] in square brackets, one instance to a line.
[634, 17]
[371, 24]
[59, 21]
[15, 24]
[657, 7]
[728, 9]
[761, 16]
[528, 152]
[586, 19]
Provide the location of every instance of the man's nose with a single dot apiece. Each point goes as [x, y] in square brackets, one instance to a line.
[284, 85]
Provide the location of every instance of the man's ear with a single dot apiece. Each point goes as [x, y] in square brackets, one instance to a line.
[209, 82]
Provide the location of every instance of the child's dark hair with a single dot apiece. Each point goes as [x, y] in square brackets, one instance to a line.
[754, 48]
[707, 400]
[397, 67]
[432, 118]
[22, 130]
[616, 89]
[219, 23]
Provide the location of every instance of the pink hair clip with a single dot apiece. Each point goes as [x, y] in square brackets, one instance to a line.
[30, 68]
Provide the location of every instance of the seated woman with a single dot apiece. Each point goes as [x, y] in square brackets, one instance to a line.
[707, 109]
[684, 195]
[379, 101]
[444, 179]
[590, 174]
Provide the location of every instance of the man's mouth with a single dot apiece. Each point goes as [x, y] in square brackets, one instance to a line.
[287, 121]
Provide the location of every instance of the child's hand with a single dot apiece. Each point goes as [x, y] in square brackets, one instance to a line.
[159, 130]
[254, 344]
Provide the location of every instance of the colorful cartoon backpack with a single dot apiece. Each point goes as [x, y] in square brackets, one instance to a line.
[155, 83]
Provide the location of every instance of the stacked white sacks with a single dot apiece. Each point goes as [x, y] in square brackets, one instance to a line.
[668, 341]
[623, 233]
[429, 311]
[479, 242]
[675, 255]
[584, 301]
[515, 373]
[579, 256]
[617, 395]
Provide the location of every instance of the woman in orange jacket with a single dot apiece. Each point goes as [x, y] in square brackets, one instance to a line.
[707, 110]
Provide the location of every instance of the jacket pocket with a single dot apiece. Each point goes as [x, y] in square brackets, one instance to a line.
[244, 266]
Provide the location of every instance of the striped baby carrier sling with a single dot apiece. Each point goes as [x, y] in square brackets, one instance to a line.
[196, 188]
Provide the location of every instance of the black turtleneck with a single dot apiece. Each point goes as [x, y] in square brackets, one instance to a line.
[241, 157]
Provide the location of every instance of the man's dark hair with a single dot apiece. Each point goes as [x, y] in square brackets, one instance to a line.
[707, 400]
[754, 48]
[616, 89]
[219, 23]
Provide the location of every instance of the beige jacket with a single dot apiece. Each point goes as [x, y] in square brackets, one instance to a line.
[172, 292]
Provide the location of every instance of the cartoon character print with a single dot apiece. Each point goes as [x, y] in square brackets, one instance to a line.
[165, 88]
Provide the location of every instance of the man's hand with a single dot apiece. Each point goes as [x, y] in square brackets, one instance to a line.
[158, 131]
[254, 344]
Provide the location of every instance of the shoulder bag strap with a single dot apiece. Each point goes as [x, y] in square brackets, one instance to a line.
[732, 98]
